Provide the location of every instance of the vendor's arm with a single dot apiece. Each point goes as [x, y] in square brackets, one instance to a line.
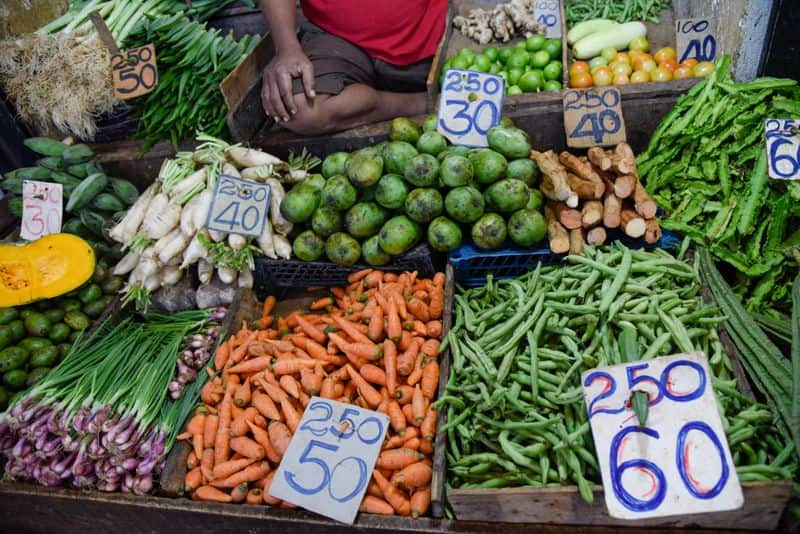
[289, 61]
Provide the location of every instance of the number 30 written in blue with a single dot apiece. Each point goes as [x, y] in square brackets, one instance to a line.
[470, 117]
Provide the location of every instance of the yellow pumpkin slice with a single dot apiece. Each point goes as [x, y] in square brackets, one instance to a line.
[50, 266]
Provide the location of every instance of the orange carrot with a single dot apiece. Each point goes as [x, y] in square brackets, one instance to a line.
[416, 375]
[207, 463]
[269, 304]
[430, 348]
[312, 331]
[266, 407]
[419, 309]
[222, 439]
[398, 440]
[262, 438]
[406, 360]
[428, 426]
[253, 496]
[280, 435]
[221, 355]
[408, 412]
[226, 469]
[247, 447]
[211, 393]
[197, 445]
[412, 476]
[430, 379]
[241, 396]
[238, 353]
[274, 390]
[405, 341]
[404, 394]
[310, 381]
[269, 499]
[390, 365]
[327, 391]
[250, 473]
[436, 307]
[375, 330]
[434, 329]
[393, 327]
[324, 303]
[352, 278]
[259, 348]
[290, 385]
[425, 446]
[418, 406]
[395, 459]
[352, 330]
[369, 393]
[392, 494]
[373, 374]
[389, 277]
[253, 365]
[193, 460]
[396, 417]
[289, 411]
[290, 366]
[402, 309]
[239, 493]
[413, 443]
[239, 424]
[366, 351]
[375, 505]
[420, 501]
[374, 490]
[196, 424]
[210, 493]
[192, 480]
[373, 279]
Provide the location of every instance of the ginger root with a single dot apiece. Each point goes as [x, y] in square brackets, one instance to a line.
[502, 23]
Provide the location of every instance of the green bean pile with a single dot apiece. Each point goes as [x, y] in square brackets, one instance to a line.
[514, 401]
[619, 10]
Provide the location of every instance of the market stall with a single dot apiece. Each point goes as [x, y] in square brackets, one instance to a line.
[568, 297]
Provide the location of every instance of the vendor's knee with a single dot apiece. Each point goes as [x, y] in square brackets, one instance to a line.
[310, 119]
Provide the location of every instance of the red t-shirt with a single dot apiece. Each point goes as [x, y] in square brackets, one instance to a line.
[400, 32]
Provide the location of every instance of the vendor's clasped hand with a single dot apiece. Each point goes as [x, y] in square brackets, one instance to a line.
[276, 93]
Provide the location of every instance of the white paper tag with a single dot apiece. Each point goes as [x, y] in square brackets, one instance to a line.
[239, 206]
[694, 39]
[42, 208]
[470, 103]
[593, 117]
[679, 463]
[330, 459]
[548, 12]
[783, 148]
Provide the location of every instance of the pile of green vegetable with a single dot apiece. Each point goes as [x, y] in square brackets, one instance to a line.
[192, 61]
[706, 166]
[514, 400]
[619, 10]
[381, 201]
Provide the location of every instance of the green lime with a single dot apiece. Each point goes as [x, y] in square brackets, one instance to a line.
[534, 43]
[514, 90]
[466, 52]
[513, 75]
[520, 44]
[518, 59]
[553, 48]
[482, 63]
[460, 62]
[552, 70]
[552, 85]
[531, 81]
[490, 52]
[540, 59]
[496, 67]
[504, 53]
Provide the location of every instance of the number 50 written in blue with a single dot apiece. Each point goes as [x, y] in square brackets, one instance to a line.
[470, 103]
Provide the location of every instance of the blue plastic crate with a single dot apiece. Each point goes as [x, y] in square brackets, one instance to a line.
[471, 264]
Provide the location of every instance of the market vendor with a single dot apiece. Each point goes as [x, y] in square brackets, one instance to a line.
[355, 62]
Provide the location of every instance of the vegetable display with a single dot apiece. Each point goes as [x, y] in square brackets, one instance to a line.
[529, 66]
[500, 23]
[618, 10]
[374, 343]
[514, 398]
[706, 165]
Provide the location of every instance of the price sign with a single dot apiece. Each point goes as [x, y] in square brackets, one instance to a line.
[693, 39]
[678, 463]
[134, 72]
[41, 209]
[238, 206]
[330, 459]
[548, 12]
[593, 117]
[783, 148]
[470, 103]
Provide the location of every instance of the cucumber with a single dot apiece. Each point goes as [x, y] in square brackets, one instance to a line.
[8, 314]
[44, 357]
[13, 358]
[588, 27]
[59, 332]
[90, 293]
[89, 188]
[75, 226]
[113, 284]
[15, 379]
[107, 202]
[50, 163]
[32, 344]
[17, 329]
[36, 375]
[77, 320]
[70, 305]
[93, 222]
[15, 206]
[13, 184]
[64, 179]
[94, 309]
[124, 190]
[45, 146]
[617, 37]
[30, 173]
[5, 336]
[78, 153]
[55, 314]
[11, 174]
[80, 170]
[37, 324]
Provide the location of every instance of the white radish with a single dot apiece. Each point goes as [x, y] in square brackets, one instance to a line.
[226, 274]
[258, 174]
[295, 176]
[126, 264]
[161, 217]
[173, 247]
[170, 275]
[202, 208]
[230, 170]
[279, 223]
[195, 251]
[245, 278]
[188, 226]
[217, 236]
[195, 179]
[282, 247]
[236, 241]
[265, 241]
[152, 283]
[128, 226]
[204, 271]
[250, 157]
[148, 264]
[159, 245]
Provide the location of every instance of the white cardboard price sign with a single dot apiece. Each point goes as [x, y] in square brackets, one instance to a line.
[548, 12]
[238, 206]
[330, 459]
[694, 39]
[678, 463]
[41, 209]
[593, 117]
[783, 148]
[470, 103]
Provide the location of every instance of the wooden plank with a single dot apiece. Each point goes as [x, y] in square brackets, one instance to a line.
[764, 503]
[242, 92]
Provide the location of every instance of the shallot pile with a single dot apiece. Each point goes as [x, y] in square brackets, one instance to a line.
[197, 351]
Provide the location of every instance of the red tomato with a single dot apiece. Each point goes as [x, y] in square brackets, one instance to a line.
[581, 80]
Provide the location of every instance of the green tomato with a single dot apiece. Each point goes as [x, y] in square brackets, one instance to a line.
[610, 53]
[535, 42]
[553, 48]
[531, 81]
[640, 43]
[552, 85]
[513, 75]
[490, 52]
[552, 70]
[540, 59]
[598, 61]
[514, 90]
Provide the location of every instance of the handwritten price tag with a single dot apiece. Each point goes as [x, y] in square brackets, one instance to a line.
[470, 103]
[678, 463]
[41, 209]
[330, 459]
[134, 72]
[693, 39]
[783, 148]
[548, 12]
[593, 117]
[239, 206]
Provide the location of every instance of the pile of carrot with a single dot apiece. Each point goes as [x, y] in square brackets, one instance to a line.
[374, 343]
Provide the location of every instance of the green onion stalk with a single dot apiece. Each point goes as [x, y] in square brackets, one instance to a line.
[103, 418]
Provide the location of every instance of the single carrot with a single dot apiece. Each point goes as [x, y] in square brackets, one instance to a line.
[374, 490]
[434, 329]
[402, 309]
[375, 328]
[291, 414]
[398, 440]
[413, 443]
[211, 393]
[418, 406]
[366, 351]
[250, 473]
[192, 480]
[197, 444]
[413, 476]
[310, 381]
[416, 374]
[280, 345]
[394, 329]
[239, 424]
[311, 330]
[222, 439]
[373, 279]
[262, 438]
[290, 385]
[406, 338]
[290, 366]
[425, 446]
[428, 426]
[419, 309]
[193, 460]
[371, 396]
[210, 493]
[196, 424]
[395, 459]
[207, 463]
[375, 505]
[352, 278]
[226, 469]
[396, 418]
[269, 499]
[337, 292]
[221, 355]
[407, 359]
[352, 330]
[269, 304]
[324, 303]
[420, 501]
[419, 328]
[389, 277]
[266, 407]
[241, 396]
[239, 493]
[258, 349]
[436, 307]
[390, 366]
[430, 379]
[280, 435]
[404, 394]
[328, 388]
[373, 374]
[247, 447]
[430, 348]
[238, 353]
[392, 494]
[407, 411]
[253, 496]
[273, 389]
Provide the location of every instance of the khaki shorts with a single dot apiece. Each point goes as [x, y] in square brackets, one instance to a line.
[339, 63]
